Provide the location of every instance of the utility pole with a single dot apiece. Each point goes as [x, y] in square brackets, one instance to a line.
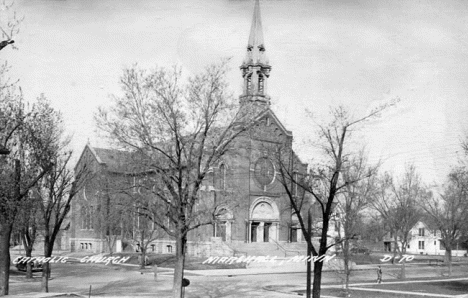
[309, 254]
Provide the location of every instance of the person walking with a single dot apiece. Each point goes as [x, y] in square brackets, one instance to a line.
[379, 275]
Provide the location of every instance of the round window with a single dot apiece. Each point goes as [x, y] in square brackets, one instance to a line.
[264, 171]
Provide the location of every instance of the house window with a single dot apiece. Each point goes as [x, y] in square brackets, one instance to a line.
[421, 232]
[421, 244]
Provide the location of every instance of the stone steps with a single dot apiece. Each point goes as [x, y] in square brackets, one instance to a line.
[262, 249]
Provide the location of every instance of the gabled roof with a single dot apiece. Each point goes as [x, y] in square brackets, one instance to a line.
[269, 112]
[114, 160]
[427, 223]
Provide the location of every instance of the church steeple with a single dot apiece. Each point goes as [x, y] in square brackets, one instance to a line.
[255, 68]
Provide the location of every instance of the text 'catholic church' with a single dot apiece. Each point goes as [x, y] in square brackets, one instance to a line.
[246, 175]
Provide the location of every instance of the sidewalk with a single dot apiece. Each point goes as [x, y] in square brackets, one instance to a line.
[300, 268]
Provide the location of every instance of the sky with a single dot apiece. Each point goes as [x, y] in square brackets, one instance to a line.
[359, 54]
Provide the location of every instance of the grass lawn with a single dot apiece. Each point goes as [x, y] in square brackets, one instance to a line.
[441, 287]
[362, 259]
[360, 294]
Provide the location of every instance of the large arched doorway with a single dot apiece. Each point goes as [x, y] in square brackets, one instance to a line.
[264, 221]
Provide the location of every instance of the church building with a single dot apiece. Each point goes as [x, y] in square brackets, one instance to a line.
[247, 175]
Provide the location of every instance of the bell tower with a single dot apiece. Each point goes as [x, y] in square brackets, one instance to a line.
[255, 68]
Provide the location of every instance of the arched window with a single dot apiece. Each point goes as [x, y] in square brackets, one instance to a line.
[249, 83]
[260, 83]
[83, 217]
[91, 218]
[295, 182]
[222, 226]
[222, 177]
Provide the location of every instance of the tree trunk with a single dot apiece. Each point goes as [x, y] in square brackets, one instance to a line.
[395, 246]
[309, 255]
[309, 270]
[6, 227]
[143, 257]
[46, 266]
[318, 266]
[111, 239]
[181, 241]
[28, 247]
[29, 267]
[346, 264]
[403, 270]
[448, 258]
[45, 277]
[5, 234]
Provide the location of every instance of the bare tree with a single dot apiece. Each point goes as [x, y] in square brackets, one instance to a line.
[26, 226]
[143, 211]
[26, 163]
[396, 203]
[373, 228]
[181, 131]
[352, 203]
[9, 23]
[448, 212]
[324, 184]
[56, 189]
[145, 230]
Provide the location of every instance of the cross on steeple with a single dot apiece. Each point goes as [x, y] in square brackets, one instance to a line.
[255, 68]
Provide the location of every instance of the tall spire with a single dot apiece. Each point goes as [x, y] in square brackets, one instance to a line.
[255, 68]
[256, 30]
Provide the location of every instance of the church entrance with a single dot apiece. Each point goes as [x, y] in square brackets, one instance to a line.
[264, 221]
[266, 232]
[253, 231]
[260, 231]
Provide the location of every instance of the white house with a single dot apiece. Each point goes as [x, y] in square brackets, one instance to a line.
[425, 241]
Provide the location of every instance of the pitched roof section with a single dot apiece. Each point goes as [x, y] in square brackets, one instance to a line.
[269, 112]
[115, 160]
